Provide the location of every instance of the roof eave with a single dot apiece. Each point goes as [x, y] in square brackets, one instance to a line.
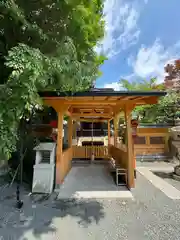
[102, 93]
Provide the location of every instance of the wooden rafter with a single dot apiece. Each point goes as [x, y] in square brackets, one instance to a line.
[91, 119]
[91, 115]
[91, 106]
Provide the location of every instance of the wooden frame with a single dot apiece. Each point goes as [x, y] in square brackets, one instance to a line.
[102, 106]
[147, 148]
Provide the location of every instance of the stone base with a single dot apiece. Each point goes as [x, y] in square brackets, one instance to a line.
[43, 178]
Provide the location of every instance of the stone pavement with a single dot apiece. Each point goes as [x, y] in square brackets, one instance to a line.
[91, 181]
[159, 183]
[151, 215]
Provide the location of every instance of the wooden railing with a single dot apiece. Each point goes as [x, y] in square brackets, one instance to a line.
[119, 155]
[149, 141]
[86, 151]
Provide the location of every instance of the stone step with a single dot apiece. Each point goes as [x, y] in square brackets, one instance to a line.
[152, 158]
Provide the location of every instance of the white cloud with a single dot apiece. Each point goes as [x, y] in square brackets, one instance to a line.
[150, 61]
[115, 85]
[121, 30]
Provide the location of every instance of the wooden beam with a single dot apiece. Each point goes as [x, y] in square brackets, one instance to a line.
[95, 103]
[129, 106]
[74, 128]
[85, 110]
[59, 153]
[91, 115]
[91, 119]
[58, 106]
[151, 100]
[92, 111]
[90, 106]
[129, 147]
[115, 130]
[116, 109]
[109, 133]
[70, 131]
[68, 113]
[57, 102]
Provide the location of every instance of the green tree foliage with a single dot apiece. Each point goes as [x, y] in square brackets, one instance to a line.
[141, 85]
[164, 111]
[44, 45]
[168, 107]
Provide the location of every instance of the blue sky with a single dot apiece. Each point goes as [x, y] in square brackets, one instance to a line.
[141, 36]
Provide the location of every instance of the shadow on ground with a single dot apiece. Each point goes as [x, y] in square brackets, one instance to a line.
[164, 175]
[41, 214]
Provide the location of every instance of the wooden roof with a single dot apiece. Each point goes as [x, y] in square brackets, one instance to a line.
[99, 104]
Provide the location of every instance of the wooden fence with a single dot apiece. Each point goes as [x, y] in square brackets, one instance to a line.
[151, 141]
[86, 151]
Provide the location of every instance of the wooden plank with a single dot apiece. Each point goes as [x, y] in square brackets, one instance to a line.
[90, 115]
[59, 156]
[85, 151]
[148, 130]
[119, 155]
[70, 131]
[99, 98]
[115, 130]
[157, 134]
[149, 152]
[144, 146]
[82, 101]
[109, 133]
[91, 119]
[129, 148]
[67, 157]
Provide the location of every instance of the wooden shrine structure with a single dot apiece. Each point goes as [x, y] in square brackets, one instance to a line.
[97, 105]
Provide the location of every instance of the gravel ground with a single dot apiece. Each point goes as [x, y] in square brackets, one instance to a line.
[151, 215]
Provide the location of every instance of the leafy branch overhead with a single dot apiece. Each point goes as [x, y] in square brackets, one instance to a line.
[44, 45]
[167, 107]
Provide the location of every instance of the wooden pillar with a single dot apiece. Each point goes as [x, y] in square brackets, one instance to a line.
[115, 130]
[109, 133]
[74, 129]
[129, 147]
[166, 143]
[59, 151]
[81, 129]
[70, 131]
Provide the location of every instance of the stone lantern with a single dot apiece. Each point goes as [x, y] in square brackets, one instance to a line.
[44, 168]
[175, 135]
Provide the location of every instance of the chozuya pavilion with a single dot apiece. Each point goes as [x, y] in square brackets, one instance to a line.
[97, 105]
